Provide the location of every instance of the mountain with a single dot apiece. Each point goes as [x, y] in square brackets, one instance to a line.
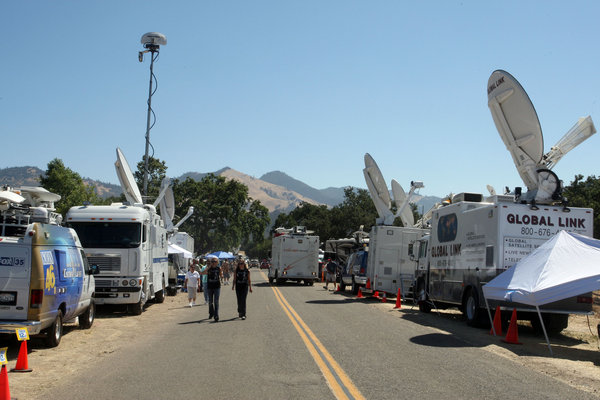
[30, 176]
[330, 196]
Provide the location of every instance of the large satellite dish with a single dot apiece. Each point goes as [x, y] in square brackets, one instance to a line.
[377, 188]
[519, 127]
[167, 208]
[130, 188]
[518, 124]
[401, 200]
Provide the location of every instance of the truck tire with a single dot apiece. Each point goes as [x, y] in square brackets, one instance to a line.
[271, 280]
[554, 323]
[471, 308]
[160, 295]
[87, 318]
[355, 287]
[137, 308]
[55, 331]
[421, 298]
[342, 286]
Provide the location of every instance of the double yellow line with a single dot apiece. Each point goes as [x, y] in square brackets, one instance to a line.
[339, 383]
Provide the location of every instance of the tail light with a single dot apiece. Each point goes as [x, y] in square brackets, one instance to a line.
[584, 299]
[35, 301]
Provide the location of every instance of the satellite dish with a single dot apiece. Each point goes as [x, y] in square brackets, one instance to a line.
[130, 188]
[187, 215]
[167, 208]
[377, 188]
[518, 124]
[491, 189]
[401, 200]
[6, 197]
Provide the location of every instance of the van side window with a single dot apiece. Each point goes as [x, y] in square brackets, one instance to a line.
[61, 263]
[86, 264]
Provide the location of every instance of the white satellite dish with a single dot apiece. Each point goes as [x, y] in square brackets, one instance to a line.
[491, 189]
[130, 188]
[403, 209]
[167, 208]
[37, 194]
[378, 189]
[519, 127]
[6, 196]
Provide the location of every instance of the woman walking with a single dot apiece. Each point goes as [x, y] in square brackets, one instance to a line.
[241, 284]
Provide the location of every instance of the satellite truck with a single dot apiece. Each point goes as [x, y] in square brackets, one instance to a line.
[129, 242]
[476, 238]
[389, 265]
[295, 256]
[45, 277]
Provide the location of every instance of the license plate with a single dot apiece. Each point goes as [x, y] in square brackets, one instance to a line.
[8, 298]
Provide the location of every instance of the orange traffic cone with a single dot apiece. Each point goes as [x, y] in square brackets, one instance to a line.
[4, 389]
[512, 335]
[398, 299]
[497, 323]
[360, 295]
[22, 364]
[384, 298]
[376, 294]
[368, 283]
[338, 288]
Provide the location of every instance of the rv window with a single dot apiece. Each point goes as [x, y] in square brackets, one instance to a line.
[107, 235]
[446, 229]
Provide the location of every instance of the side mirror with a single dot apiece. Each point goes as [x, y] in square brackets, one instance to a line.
[94, 270]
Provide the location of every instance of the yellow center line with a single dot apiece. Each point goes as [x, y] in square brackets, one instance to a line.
[338, 381]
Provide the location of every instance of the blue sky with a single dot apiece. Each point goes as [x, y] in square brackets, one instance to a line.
[304, 87]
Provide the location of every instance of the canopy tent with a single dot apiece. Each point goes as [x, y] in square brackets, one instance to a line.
[565, 266]
[221, 255]
[174, 249]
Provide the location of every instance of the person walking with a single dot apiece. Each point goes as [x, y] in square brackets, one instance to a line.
[331, 271]
[213, 287]
[203, 267]
[226, 270]
[241, 284]
[191, 283]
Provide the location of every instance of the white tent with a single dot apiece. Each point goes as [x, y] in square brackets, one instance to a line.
[565, 266]
[174, 249]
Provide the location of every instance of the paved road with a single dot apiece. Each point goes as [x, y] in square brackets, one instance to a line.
[303, 343]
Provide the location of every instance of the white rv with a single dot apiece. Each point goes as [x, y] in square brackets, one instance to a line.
[128, 241]
[295, 256]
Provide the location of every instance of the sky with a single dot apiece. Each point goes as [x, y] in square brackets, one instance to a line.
[303, 87]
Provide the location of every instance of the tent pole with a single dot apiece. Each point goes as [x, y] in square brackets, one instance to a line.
[544, 329]
[489, 315]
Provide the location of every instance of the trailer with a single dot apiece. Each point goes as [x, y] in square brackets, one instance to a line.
[295, 256]
[474, 239]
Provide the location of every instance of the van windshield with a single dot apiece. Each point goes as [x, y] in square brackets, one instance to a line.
[116, 235]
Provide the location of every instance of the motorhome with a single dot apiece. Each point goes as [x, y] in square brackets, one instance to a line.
[295, 256]
[45, 277]
[128, 241]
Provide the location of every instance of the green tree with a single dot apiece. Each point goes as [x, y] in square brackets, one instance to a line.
[69, 185]
[585, 193]
[157, 170]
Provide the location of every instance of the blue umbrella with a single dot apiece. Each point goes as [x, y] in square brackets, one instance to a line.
[221, 255]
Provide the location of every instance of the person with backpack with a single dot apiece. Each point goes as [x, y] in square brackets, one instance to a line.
[213, 286]
[241, 284]
[331, 271]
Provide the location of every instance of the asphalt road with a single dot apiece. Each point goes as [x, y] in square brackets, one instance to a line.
[302, 342]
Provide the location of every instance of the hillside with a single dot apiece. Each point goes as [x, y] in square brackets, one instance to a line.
[329, 196]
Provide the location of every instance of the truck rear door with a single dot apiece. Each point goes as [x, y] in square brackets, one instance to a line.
[15, 276]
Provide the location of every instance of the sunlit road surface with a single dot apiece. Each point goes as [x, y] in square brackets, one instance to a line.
[302, 342]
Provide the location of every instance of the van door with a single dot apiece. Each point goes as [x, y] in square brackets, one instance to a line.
[88, 286]
[15, 278]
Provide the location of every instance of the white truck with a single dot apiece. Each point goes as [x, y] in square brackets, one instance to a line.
[475, 239]
[390, 265]
[128, 241]
[295, 256]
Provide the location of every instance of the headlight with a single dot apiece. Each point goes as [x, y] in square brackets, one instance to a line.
[132, 282]
[125, 282]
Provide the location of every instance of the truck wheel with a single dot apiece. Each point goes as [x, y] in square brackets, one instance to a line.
[421, 298]
[54, 332]
[354, 287]
[160, 295]
[311, 283]
[342, 286]
[554, 323]
[87, 318]
[471, 308]
[171, 291]
[270, 280]
[137, 308]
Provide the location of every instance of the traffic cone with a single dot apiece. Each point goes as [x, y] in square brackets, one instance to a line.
[376, 294]
[360, 295]
[338, 288]
[22, 363]
[368, 283]
[512, 335]
[4, 389]
[384, 298]
[398, 299]
[497, 323]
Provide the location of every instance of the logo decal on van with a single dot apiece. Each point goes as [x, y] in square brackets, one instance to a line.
[12, 261]
[49, 272]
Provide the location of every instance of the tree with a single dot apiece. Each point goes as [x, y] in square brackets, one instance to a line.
[69, 185]
[585, 193]
[157, 170]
